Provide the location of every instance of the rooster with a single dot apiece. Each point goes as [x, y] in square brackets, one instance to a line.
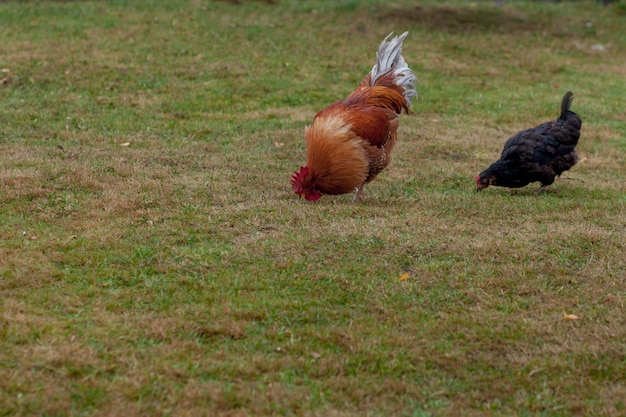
[537, 154]
[350, 141]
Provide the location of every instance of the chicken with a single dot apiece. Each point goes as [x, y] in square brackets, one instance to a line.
[537, 154]
[349, 142]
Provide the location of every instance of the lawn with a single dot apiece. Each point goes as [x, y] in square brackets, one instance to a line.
[154, 260]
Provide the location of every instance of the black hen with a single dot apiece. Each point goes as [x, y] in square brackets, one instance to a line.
[537, 154]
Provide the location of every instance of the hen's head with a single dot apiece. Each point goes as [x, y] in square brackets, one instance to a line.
[303, 184]
[484, 181]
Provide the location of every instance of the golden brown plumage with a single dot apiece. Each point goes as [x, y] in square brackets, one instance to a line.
[349, 142]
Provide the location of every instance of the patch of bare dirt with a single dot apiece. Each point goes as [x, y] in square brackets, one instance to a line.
[456, 19]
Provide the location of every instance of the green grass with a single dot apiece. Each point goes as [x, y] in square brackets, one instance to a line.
[154, 260]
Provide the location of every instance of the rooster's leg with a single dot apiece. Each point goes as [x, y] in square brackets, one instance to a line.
[541, 189]
[358, 193]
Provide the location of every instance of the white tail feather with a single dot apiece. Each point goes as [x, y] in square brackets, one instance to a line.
[389, 59]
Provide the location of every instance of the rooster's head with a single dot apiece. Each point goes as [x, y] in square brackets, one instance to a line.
[303, 184]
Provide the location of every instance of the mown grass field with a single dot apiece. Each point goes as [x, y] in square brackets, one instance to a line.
[155, 262]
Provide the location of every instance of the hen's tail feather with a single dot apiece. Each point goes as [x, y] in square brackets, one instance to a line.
[566, 104]
[389, 59]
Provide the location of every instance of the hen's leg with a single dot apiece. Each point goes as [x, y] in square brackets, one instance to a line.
[541, 189]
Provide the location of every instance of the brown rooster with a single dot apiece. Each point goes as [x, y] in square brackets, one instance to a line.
[350, 141]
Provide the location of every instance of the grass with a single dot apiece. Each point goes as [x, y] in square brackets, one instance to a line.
[154, 260]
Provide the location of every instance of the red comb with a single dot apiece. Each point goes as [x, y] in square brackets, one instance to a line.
[297, 178]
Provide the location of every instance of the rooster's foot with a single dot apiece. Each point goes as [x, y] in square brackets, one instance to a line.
[358, 194]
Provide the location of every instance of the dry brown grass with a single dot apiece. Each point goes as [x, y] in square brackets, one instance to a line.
[154, 260]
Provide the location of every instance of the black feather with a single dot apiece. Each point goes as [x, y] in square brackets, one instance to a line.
[566, 104]
[537, 154]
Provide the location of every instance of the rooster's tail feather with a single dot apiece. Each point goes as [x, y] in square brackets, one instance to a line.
[389, 60]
